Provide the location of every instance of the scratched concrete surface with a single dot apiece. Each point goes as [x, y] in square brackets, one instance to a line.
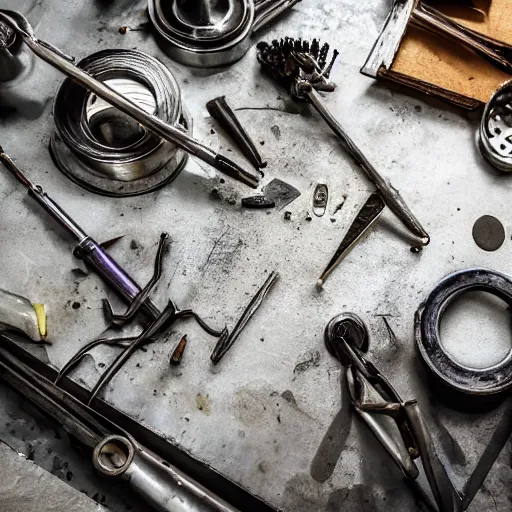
[24, 486]
[271, 416]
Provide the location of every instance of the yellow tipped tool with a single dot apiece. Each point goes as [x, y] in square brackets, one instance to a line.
[41, 319]
[18, 314]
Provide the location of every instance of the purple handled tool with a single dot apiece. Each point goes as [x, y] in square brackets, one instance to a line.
[87, 249]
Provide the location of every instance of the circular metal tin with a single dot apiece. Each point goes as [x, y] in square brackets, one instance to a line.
[495, 132]
[202, 33]
[105, 151]
[486, 381]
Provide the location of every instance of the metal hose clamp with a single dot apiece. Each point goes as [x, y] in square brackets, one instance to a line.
[106, 151]
[206, 33]
[485, 381]
[495, 133]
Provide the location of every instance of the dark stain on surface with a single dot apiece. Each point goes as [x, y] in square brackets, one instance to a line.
[451, 446]
[276, 131]
[334, 441]
[307, 361]
[289, 397]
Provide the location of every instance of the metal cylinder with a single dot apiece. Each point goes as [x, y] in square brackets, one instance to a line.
[495, 132]
[106, 151]
[209, 33]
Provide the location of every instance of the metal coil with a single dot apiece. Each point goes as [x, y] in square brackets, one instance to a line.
[106, 151]
[495, 132]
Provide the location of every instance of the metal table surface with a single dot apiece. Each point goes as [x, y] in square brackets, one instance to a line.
[271, 416]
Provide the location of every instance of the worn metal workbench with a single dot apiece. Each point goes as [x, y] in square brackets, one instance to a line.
[270, 416]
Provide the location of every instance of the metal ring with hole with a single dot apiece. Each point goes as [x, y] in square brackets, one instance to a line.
[106, 151]
[99, 453]
[494, 136]
[485, 381]
[204, 34]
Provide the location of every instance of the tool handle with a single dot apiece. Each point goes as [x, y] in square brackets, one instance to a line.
[108, 269]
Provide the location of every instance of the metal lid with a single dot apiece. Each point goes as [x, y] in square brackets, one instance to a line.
[495, 133]
[204, 32]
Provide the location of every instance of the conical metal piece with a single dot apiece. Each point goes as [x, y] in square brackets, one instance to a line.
[219, 109]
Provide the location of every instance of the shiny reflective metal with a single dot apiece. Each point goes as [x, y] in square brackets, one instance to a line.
[227, 340]
[320, 199]
[479, 382]
[208, 33]
[106, 151]
[302, 68]
[219, 109]
[495, 132]
[399, 425]
[427, 18]
[115, 452]
[168, 132]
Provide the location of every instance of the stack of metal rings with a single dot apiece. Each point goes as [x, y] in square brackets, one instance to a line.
[204, 34]
[495, 133]
[106, 151]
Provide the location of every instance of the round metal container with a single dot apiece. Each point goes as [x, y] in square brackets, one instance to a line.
[106, 151]
[203, 33]
[495, 132]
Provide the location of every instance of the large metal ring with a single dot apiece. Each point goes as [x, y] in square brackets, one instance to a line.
[485, 381]
[107, 151]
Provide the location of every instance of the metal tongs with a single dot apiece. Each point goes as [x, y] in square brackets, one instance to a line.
[380, 406]
[430, 19]
[173, 134]
[115, 452]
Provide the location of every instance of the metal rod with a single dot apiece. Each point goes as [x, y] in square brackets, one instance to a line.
[166, 131]
[226, 341]
[390, 194]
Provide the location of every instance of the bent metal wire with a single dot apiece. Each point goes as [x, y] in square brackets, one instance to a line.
[106, 151]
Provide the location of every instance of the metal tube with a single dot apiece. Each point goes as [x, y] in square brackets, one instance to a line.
[168, 489]
[390, 195]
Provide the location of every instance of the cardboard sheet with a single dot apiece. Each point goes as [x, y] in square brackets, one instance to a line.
[444, 68]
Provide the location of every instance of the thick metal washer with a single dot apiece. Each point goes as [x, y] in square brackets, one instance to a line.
[485, 381]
